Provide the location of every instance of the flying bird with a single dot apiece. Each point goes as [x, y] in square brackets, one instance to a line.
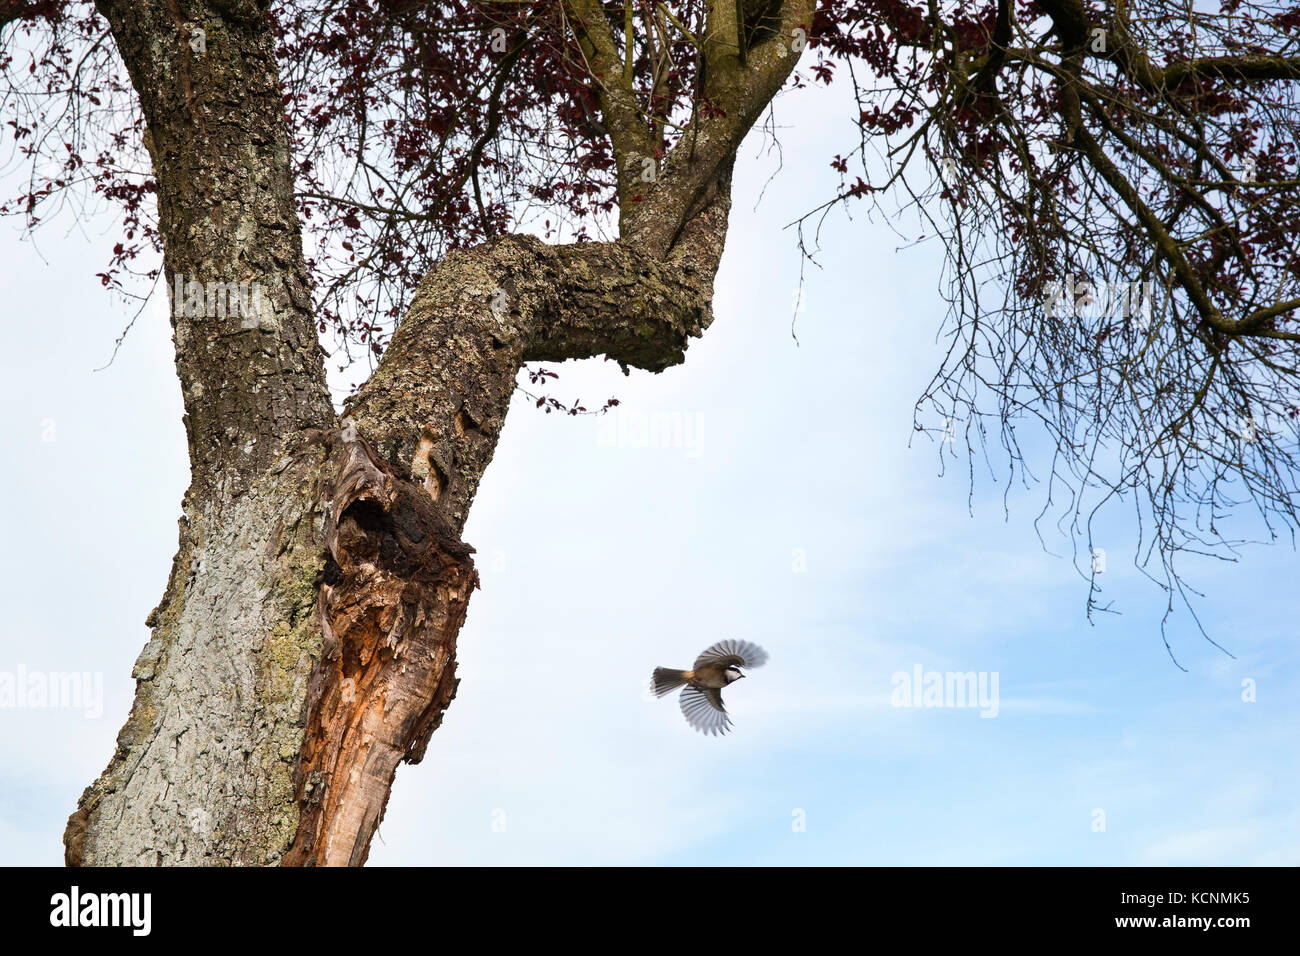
[701, 701]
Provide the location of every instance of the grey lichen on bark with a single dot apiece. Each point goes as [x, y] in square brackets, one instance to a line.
[204, 771]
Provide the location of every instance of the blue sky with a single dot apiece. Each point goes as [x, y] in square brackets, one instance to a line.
[791, 512]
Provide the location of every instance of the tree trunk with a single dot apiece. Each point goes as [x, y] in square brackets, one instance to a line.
[204, 769]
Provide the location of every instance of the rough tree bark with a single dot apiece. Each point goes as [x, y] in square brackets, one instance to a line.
[305, 644]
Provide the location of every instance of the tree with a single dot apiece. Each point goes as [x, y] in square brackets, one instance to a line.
[305, 644]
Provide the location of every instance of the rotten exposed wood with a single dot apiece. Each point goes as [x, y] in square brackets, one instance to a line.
[394, 593]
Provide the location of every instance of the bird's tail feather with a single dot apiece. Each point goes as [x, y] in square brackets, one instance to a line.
[667, 680]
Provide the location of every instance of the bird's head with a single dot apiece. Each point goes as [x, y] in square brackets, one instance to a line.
[732, 674]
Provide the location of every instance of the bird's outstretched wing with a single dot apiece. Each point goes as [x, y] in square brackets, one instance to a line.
[732, 653]
[703, 710]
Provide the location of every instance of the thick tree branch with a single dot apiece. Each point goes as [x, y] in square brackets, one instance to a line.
[736, 95]
[436, 404]
[625, 121]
